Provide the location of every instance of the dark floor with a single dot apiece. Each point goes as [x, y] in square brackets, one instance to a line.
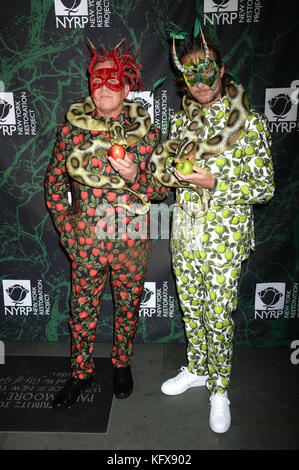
[264, 405]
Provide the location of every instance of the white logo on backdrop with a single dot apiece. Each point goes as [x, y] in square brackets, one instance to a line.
[280, 105]
[149, 295]
[16, 293]
[281, 108]
[270, 296]
[220, 12]
[269, 300]
[7, 109]
[71, 8]
[215, 6]
[82, 13]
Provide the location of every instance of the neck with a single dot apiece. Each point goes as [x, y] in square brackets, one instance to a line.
[208, 105]
[213, 100]
[108, 114]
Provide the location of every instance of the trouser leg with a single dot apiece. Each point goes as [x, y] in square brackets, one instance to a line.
[191, 291]
[88, 285]
[208, 296]
[221, 294]
[191, 296]
[127, 287]
[127, 265]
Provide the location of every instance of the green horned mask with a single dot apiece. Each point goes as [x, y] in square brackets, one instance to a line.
[198, 73]
[204, 71]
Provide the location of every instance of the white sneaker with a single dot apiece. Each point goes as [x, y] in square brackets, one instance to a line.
[220, 418]
[182, 382]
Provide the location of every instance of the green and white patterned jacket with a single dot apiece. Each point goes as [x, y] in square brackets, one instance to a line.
[225, 235]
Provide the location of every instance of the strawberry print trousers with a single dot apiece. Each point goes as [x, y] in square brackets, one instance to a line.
[126, 264]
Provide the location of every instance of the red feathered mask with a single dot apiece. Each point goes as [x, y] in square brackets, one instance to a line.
[125, 69]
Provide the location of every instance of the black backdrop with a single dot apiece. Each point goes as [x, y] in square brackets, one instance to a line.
[43, 70]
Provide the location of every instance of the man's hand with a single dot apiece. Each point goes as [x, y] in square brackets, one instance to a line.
[200, 177]
[126, 167]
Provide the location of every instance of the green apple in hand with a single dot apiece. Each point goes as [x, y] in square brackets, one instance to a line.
[185, 167]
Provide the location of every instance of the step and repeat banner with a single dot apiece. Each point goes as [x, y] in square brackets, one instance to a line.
[44, 59]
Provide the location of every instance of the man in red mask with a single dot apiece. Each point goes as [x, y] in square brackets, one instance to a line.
[105, 230]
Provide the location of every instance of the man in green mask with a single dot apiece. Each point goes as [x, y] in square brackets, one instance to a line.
[231, 158]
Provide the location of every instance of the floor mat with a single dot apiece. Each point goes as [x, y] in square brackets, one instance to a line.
[28, 385]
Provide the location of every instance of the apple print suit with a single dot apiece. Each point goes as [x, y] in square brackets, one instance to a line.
[100, 237]
[209, 250]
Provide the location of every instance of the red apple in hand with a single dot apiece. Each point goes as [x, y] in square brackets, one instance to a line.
[117, 151]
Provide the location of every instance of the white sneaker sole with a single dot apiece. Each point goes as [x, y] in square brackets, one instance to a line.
[198, 383]
[221, 429]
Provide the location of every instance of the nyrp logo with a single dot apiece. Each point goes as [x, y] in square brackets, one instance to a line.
[16, 116]
[22, 298]
[71, 7]
[7, 114]
[148, 301]
[269, 300]
[229, 11]
[149, 295]
[80, 13]
[212, 6]
[7, 109]
[281, 107]
[71, 13]
[17, 297]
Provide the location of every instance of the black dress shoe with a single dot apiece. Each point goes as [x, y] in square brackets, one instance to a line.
[70, 392]
[122, 381]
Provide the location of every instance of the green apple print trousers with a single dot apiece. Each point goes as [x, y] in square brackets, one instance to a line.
[208, 296]
[207, 252]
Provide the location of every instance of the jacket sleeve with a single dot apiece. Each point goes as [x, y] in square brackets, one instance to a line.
[145, 183]
[57, 184]
[254, 183]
